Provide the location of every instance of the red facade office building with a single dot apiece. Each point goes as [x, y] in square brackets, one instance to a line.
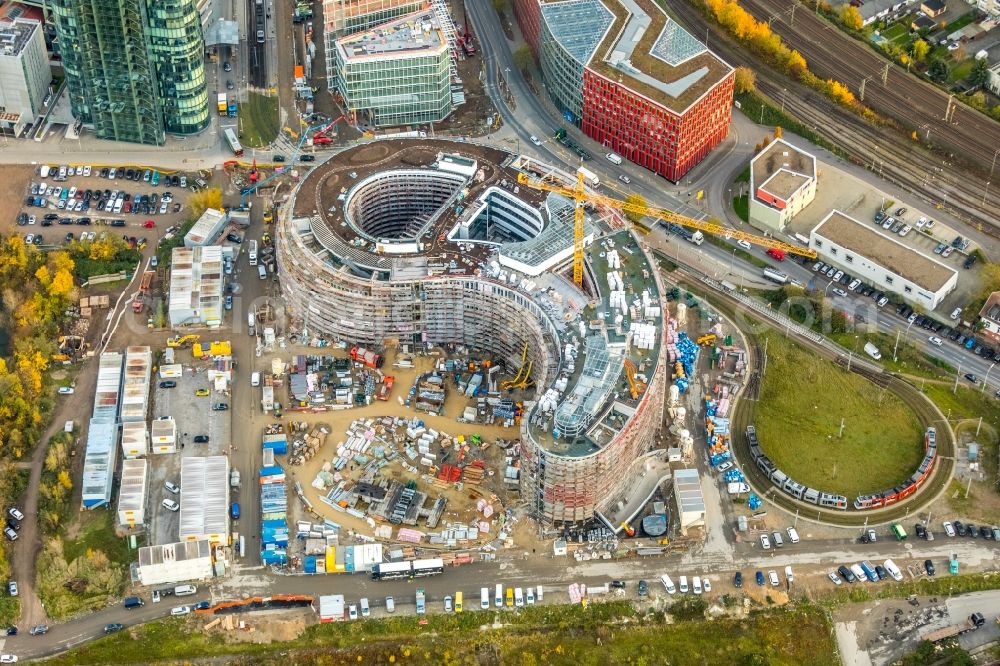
[631, 79]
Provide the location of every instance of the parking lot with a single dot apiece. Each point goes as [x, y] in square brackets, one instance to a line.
[58, 206]
[195, 418]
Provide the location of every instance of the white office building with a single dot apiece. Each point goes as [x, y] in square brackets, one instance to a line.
[25, 75]
[782, 183]
[882, 261]
[175, 562]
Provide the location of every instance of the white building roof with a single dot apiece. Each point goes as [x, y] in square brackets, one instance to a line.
[163, 431]
[99, 462]
[135, 386]
[687, 488]
[132, 496]
[109, 384]
[204, 498]
[208, 226]
[196, 286]
[135, 437]
[175, 562]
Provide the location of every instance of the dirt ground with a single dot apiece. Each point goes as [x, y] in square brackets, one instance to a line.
[982, 503]
[461, 504]
[14, 182]
[264, 627]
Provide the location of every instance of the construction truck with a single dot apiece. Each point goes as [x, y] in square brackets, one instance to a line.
[223, 104]
[420, 601]
[690, 235]
[369, 358]
[386, 388]
[182, 340]
[975, 621]
[138, 304]
[212, 349]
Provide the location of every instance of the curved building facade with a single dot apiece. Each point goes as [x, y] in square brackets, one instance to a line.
[631, 78]
[177, 49]
[365, 258]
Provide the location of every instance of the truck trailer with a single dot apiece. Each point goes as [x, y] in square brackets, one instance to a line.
[589, 177]
[223, 104]
[975, 621]
[690, 235]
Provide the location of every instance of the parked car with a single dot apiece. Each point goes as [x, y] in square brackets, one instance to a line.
[170, 505]
[15, 513]
[39, 629]
[171, 486]
[112, 628]
[168, 384]
[220, 407]
[834, 578]
[180, 610]
[929, 567]
[201, 439]
[12, 588]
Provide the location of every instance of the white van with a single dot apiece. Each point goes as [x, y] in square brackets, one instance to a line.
[184, 590]
[668, 584]
[252, 252]
[788, 574]
[262, 272]
[530, 597]
[613, 158]
[44, 171]
[893, 570]
[365, 610]
[859, 573]
[793, 535]
[518, 597]
[696, 584]
[498, 599]
[955, 314]
[873, 351]
[539, 594]
[484, 598]
[251, 323]
[390, 605]
[772, 575]
[683, 584]
[255, 379]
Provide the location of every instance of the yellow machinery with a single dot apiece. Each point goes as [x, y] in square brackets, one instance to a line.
[706, 340]
[635, 387]
[581, 197]
[212, 349]
[523, 378]
[182, 340]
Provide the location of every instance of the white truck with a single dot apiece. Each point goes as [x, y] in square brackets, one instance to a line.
[873, 351]
[589, 177]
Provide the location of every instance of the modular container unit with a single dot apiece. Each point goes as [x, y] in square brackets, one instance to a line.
[132, 495]
[109, 385]
[135, 385]
[331, 608]
[163, 435]
[205, 499]
[99, 463]
[175, 562]
[277, 442]
[135, 439]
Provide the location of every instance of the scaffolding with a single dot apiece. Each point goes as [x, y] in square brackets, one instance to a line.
[448, 28]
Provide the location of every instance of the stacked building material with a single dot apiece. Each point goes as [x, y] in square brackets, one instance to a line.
[275, 439]
[474, 472]
[273, 513]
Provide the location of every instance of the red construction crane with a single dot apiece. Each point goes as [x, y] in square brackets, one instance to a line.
[320, 138]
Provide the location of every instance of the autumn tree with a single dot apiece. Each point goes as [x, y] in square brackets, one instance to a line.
[920, 50]
[839, 93]
[851, 17]
[744, 80]
[634, 200]
[777, 132]
[199, 202]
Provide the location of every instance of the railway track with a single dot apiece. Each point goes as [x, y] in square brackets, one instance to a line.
[889, 152]
[745, 409]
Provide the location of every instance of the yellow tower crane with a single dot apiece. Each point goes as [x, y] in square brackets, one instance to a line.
[580, 196]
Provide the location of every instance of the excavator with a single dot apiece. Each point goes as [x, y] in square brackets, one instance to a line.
[523, 378]
[636, 387]
[181, 341]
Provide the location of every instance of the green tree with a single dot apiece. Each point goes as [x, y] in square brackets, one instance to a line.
[939, 70]
[523, 59]
[920, 50]
[634, 200]
[980, 73]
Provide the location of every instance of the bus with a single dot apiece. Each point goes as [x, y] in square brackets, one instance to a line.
[898, 532]
[234, 143]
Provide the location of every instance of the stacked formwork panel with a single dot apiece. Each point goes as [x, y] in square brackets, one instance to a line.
[273, 516]
[135, 385]
[107, 395]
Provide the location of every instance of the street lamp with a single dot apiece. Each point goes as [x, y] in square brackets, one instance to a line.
[987, 378]
[986, 191]
[906, 334]
[732, 262]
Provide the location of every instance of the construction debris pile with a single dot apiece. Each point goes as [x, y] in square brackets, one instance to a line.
[307, 446]
[428, 393]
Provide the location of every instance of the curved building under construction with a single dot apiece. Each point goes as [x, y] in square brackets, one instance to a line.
[434, 243]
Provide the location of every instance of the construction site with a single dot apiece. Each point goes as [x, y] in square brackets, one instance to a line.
[475, 255]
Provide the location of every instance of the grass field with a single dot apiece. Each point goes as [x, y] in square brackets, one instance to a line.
[259, 118]
[803, 400]
[611, 633]
[741, 206]
[895, 32]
